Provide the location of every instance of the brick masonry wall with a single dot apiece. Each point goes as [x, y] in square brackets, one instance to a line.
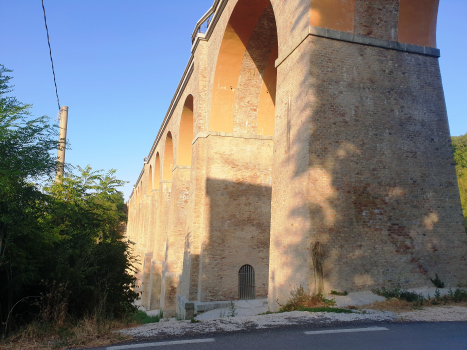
[363, 164]
[377, 18]
[238, 188]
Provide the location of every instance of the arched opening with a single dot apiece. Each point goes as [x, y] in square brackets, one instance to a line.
[168, 158]
[185, 133]
[417, 22]
[157, 172]
[150, 180]
[246, 283]
[244, 89]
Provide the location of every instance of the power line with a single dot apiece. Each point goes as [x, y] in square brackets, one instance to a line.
[50, 51]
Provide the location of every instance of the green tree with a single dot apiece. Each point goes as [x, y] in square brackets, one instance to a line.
[62, 241]
[459, 146]
[25, 146]
[90, 255]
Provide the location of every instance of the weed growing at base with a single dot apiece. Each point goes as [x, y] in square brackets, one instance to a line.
[231, 311]
[457, 296]
[344, 293]
[144, 318]
[437, 282]
[301, 301]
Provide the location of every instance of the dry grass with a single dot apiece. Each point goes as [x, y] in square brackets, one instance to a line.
[86, 333]
[299, 299]
[394, 305]
[398, 306]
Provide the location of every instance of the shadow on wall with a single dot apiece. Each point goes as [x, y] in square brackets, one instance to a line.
[239, 229]
[367, 148]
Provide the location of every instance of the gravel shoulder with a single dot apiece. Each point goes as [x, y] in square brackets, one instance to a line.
[435, 314]
[173, 327]
[236, 324]
[249, 317]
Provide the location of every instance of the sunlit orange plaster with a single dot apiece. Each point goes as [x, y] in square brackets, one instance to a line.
[417, 22]
[150, 180]
[168, 158]
[229, 62]
[157, 172]
[186, 133]
[267, 97]
[333, 14]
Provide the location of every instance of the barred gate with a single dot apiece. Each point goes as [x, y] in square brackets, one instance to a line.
[246, 283]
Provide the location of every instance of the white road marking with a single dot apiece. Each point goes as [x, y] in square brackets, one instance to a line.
[351, 330]
[162, 343]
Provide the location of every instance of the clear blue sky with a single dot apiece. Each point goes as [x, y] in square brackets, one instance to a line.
[118, 63]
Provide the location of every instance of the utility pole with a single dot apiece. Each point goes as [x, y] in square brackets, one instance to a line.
[62, 143]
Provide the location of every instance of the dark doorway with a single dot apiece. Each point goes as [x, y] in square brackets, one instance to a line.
[246, 282]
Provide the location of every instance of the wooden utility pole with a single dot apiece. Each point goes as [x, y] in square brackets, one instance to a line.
[62, 143]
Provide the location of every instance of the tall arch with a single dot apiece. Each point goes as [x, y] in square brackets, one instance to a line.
[150, 180]
[168, 158]
[243, 95]
[157, 172]
[417, 22]
[185, 135]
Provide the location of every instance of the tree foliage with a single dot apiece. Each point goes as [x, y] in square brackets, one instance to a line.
[62, 241]
[459, 146]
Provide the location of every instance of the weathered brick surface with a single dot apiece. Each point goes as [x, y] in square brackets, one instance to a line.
[155, 282]
[377, 18]
[363, 165]
[360, 161]
[238, 186]
[146, 296]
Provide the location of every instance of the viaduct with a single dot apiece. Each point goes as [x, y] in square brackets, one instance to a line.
[306, 144]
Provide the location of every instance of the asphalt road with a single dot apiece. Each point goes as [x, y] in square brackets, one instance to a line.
[400, 336]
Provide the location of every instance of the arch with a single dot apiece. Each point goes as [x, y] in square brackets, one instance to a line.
[243, 95]
[185, 135]
[157, 172]
[246, 283]
[168, 158]
[333, 14]
[417, 22]
[150, 180]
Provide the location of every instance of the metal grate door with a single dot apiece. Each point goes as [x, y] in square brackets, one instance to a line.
[246, 283]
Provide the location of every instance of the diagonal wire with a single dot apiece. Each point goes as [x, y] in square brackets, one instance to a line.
[50, 51]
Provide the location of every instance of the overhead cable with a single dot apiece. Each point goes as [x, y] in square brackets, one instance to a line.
[50, 52]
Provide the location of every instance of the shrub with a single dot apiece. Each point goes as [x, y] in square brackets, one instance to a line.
[344, 293]
[437, 282]
[144, 318]
[457, 296]
[399, 293]
[300, 300]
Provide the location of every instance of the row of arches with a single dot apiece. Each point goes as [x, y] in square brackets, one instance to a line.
[162, 170]
[244, 89]
[242, 102]
[185, 137]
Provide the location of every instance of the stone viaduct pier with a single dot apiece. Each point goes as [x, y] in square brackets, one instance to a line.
[306, 144]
